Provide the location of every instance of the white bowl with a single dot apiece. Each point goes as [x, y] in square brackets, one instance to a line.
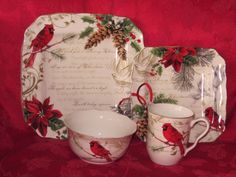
[99, 137]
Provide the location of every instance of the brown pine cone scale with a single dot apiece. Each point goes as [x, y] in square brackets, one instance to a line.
[119, 42]
[102, 33]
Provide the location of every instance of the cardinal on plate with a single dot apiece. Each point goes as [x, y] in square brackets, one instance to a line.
[39, 42]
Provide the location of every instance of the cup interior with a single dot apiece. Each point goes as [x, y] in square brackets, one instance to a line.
[170, 110]
[100, 124]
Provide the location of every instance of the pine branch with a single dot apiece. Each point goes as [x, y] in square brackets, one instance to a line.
[86, 32]
[183, 80]
[68, 37]
[88, 19]
[57, 54]
[204, 56]
[161, 98]
[139, 110]
[136, 46]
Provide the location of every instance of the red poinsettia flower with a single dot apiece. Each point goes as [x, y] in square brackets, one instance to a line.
[214, 119]
[175, 57]
[40, 114]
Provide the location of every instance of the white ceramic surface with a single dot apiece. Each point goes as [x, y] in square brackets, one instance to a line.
[78, 61]
[169, 126]
[199, 85]
[99, 137]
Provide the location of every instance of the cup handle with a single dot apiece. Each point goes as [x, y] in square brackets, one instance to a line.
[193, 122]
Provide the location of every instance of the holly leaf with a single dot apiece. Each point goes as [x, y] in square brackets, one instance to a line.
[159, 70]
[55, 123]
[86, 32]
[127, 22]
[106, 19]
[136, 46]
[189, 60]
[159, 52]
[88, 19]
[127, 26]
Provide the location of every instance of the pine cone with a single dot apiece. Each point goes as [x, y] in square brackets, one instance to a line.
[119, 40]
[142, 128]
[102, 33]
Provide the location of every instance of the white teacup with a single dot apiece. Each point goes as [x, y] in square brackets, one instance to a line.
[99, 137]
[169, 126]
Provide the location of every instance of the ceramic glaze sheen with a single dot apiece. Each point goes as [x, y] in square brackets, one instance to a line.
[99, 137]
[100, 124]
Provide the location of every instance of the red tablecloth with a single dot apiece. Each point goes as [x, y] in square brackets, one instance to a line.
[206, 23]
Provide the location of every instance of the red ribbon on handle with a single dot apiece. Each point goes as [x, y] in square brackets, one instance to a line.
[140, 98]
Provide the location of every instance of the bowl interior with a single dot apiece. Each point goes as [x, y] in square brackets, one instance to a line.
[100, 124]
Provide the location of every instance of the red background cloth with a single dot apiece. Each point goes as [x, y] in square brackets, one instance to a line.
[198, 23]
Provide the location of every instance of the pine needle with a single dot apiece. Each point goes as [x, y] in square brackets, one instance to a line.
[57, 54]
[183, 80]
[161, 98]
[205, 56]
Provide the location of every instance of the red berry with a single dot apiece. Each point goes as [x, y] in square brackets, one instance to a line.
[132, 35]
[127, 40]
[138, 40]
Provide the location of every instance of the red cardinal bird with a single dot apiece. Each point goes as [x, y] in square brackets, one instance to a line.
[39, 42]
[173, 136]
[99, 150]
[214, 119]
